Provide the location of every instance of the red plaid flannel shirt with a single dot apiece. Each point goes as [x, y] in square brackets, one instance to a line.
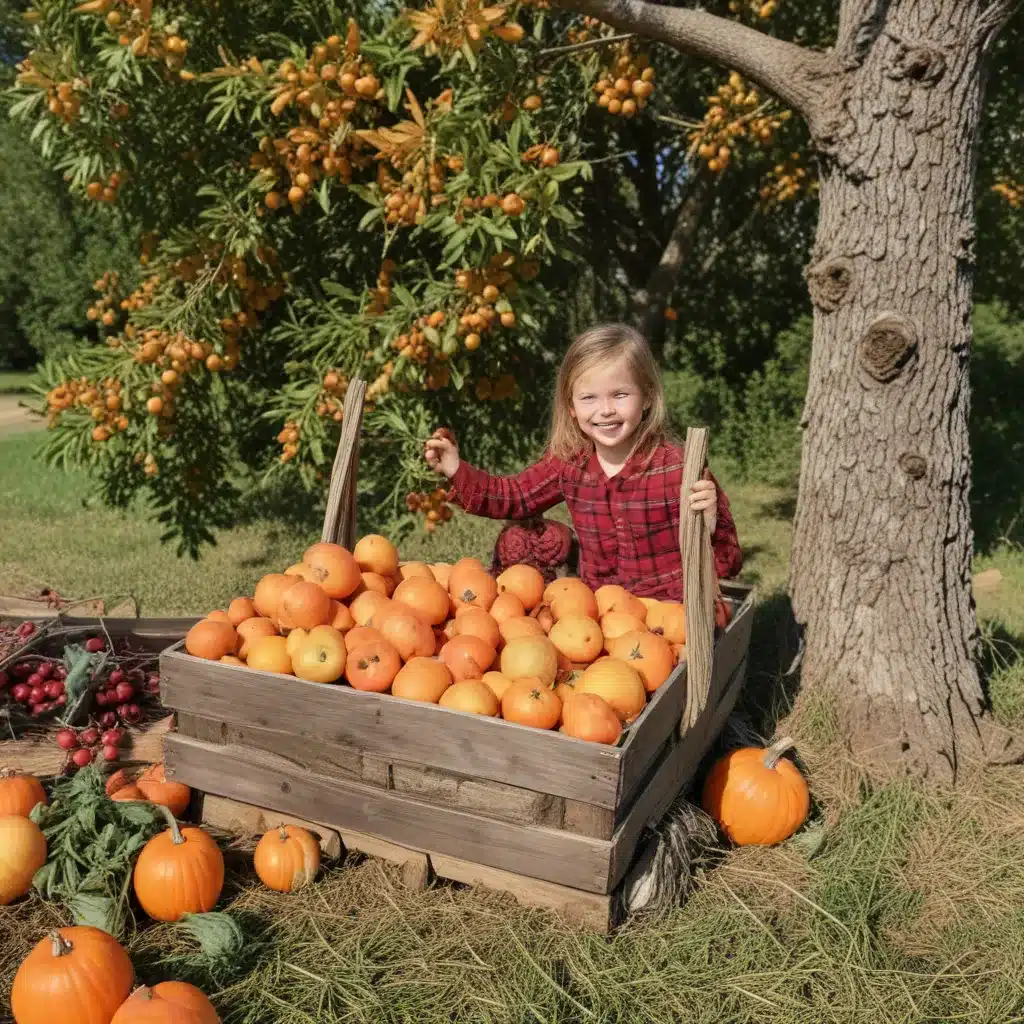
[628, 525]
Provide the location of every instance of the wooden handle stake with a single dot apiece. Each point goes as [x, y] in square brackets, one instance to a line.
[699, 577]
[340, 517]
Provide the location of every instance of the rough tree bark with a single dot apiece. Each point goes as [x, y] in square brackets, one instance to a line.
[881, 570]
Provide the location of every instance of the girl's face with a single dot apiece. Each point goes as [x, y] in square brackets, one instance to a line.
[608, 405]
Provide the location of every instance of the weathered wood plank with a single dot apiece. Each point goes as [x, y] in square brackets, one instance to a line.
[677, 767]
[484, 748]
[588, 910]
[266, 780]
[588, 820]
[234, 816]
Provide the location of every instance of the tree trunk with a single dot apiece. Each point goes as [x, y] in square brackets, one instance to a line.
[881, 568]
[882, 551]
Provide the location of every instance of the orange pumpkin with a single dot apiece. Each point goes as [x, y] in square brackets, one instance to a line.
[460, 570]
[577, 602]
[129, 792]
[375, 553]
[410, 635]
[269, 654]
[426, 597]
[586, 716]
[467, 656]
[422, 679]
[524, 582]
[529, 702]
[22, 854]
[334, 568]
[153, 784]
[80, 975]
[178, 872]
[252, 629]
[651, 655]
[287, 858]
[757, 796]
[170, 1002]
[211, 639]
[470, 695]
[117, 781]
[619, 684]
[19, 793]
[373, 666]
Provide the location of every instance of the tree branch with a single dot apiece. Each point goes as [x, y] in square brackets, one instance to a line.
[994, 20]
[788, 71]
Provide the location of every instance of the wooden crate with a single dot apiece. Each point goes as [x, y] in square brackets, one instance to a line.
[35, 752]
[532, 807]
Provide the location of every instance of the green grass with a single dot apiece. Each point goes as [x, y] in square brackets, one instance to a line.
[909, 909]
[16, 382]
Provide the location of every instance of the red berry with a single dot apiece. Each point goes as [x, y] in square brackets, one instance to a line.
[26, 629]
[62, 672]
[82, 757]
[110, 752]
[35, 679]
[20, 692]
[37, 709]
[125, 692]
[61, 700]
[94, 644]
[101, 698]
[131, 713]
[45, 670]
[54, 688]
[36, 695]
[23, 669]
[108, 719]
[116, 676]
[67, 739]
[89, 737]
[112, 737]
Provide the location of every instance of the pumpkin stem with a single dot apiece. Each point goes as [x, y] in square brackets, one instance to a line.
[59, 946]
[774, 753]
[176, 837]
[283, 833]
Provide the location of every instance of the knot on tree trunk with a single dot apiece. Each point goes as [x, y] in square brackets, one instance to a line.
[888, 348]
[922, 63]
[829, 282]
[915, 466]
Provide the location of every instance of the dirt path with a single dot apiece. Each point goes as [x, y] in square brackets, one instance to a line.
[14, 418]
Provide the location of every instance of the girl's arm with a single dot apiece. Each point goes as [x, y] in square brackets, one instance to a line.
[527, 494]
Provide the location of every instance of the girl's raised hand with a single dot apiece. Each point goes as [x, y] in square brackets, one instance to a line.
[442, 453]
[704, 498]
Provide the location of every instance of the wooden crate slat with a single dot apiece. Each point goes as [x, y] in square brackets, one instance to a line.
[677, 767]
[265, 780]
[536, 759]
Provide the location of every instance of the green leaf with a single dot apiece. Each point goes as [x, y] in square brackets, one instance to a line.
[217, 933]
[97, 911]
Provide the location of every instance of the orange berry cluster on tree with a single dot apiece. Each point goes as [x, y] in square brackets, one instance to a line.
[627, 83]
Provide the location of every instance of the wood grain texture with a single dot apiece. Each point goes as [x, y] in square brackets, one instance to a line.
[471, 745]
[339, 517]
[677, 765]
[234, 816]
[582, 909]
[269, 781]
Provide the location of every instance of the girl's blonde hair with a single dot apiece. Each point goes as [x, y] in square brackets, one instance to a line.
[606, 343]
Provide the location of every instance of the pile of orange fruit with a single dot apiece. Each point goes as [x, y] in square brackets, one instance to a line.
[558, 656]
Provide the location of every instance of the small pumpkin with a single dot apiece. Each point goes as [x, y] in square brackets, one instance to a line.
[78, 974]
[287, 858]
[527, 701]
[117, 781]
[757, 796]
[170, 1002]
[22, 854]
[180, 871]
[154, 786]
[19, 794]
[129, 792]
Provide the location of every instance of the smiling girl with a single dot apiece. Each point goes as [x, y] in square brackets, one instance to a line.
[611, 460]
